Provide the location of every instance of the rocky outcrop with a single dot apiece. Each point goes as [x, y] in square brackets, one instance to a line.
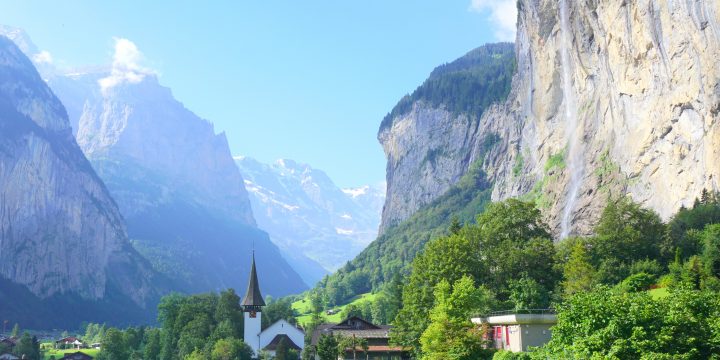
[434, 135]
[308, 216]
[143, 126]
[628, 93]
[60, 231]
[175, 182]
[610, 98]
[428, 150]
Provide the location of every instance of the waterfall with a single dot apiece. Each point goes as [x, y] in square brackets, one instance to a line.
[710, 15]
[573, 133]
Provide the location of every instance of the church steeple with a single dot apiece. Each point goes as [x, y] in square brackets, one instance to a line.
[252, 305]
[253, 299]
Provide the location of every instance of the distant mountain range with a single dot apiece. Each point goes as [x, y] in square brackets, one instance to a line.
[317, 225]
[140, 196]
[160, 206]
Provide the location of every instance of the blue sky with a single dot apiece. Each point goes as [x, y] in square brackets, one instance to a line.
[307, 80]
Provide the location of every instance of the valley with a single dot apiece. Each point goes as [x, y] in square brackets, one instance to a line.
[548, 198]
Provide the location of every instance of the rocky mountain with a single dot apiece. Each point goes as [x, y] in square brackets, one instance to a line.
[607, 99]
[317, 225]
[433, 135]
[610, 98]
[173, 178]
[63, 242]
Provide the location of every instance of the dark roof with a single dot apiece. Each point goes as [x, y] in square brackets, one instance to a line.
[355, 323]
[353, 326]
[276, 340]
[76, 356]
[252, 295]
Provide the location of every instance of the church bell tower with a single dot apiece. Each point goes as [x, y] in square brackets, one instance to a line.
[252, 305]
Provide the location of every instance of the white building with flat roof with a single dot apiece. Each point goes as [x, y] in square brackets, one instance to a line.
[518, 332]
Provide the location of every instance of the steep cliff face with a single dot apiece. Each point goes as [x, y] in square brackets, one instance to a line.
[627, 94]
[142, 125]
[308, 216]
[433, 135]
[610, 98]
[174, 180]
[60, 231]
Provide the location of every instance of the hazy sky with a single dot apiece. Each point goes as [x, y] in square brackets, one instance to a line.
[306, 80]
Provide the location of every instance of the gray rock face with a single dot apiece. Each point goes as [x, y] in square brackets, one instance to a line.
[60, 231]
[428, 150]
[143, 126]
[306, 214]
[611, 98]
[175, 182]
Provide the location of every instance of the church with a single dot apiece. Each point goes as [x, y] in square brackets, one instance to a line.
[266, 340]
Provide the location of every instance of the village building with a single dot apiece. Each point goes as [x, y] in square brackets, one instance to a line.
[266, 340]
[377, 337]
[8, 342]
[76, 356]
[8, 356]
[69, 342]
[518, 331]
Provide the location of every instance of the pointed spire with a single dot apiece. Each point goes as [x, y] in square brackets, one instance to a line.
[253, 298]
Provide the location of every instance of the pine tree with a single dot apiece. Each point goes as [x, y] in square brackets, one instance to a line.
[15, 331]
[580, 275]
[705, 197]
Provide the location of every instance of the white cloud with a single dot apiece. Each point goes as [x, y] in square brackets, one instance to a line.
[126, 66]
[42, 57]
[502, 13]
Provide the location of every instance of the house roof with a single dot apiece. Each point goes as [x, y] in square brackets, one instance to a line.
[356, 323]
[383, 348]
[8, 341]
[76, 356]
[353, 326]
[252, 295]
[69, 340]
[276, 341]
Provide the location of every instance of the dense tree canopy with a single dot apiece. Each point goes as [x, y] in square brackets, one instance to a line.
[509, 242]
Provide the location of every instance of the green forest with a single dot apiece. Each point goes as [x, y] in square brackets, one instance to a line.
[639, 288]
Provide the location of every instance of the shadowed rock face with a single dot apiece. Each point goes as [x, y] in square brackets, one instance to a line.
[60, 231]
[175, 182]
[610, 98]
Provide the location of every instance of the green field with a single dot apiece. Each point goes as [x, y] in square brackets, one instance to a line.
[56, 354]
[302, 307]
[658, 293]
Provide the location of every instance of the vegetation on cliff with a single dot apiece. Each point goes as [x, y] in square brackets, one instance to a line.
[467, 85]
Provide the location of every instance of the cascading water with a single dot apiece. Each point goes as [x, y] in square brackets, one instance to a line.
[573, 133]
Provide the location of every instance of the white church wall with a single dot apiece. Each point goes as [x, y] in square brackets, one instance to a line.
[282, 327]
[252, 331]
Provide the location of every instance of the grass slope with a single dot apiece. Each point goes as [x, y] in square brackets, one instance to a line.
[303, 309]
[57, 354]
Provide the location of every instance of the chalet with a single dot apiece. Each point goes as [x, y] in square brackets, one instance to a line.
[76, 356]
[9, 356]
[517, 331]
[69, 342]
[377, 336]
